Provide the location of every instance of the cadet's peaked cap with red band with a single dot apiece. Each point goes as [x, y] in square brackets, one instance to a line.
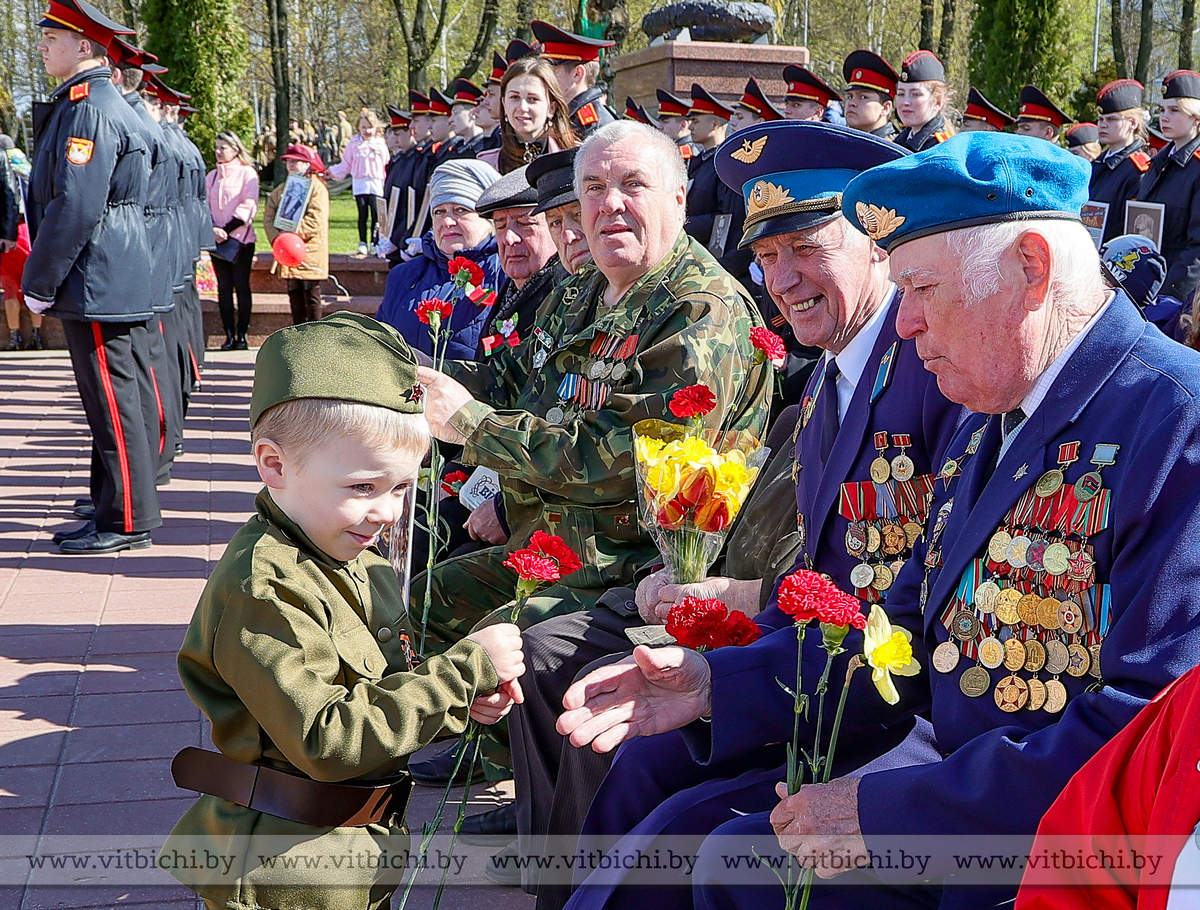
[398, 117]
[466, 92]
[634, 111]
[81, 17]
[439, 104]
[1181, 84]
[561, 45]
[418, 102]
[703, 102]
[1036, 106]
[922, 66]
[122, 53]
[756, 102]
[979, 108]
[804, 85]
[1121, 95]
[866, 69]
[670, 105]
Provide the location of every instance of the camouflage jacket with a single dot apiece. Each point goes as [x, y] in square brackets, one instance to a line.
[554, 416]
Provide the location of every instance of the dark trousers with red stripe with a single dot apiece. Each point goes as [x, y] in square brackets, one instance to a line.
[164, 411]
[109, 360]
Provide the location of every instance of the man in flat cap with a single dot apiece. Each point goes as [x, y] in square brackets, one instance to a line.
[89, 265]
[576, 62]
[1083, 409]
[870, 93]
[1039, 116]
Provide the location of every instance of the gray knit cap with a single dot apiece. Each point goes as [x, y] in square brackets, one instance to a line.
[460, 181]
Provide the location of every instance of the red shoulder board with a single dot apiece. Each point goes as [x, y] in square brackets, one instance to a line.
[80, 91]
[1142, 161]
[587, 115]
[685, 151]
[1196, 154]
[942, 135]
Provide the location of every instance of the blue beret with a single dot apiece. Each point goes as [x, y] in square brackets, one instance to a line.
[791, 173]
[968, 180]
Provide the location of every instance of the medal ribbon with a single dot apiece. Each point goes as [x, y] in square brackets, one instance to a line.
[885, 501]
[850, 501]
[627, 347]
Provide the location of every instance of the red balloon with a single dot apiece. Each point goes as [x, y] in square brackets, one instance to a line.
[289, 249]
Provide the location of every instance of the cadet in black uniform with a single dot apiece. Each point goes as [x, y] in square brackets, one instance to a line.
[465, 106]
[634, 111]
[398, 176]
[981, 116]
[807, 94]
[921, 98]
[445, 144]
[1174, 180]
[576, 65]
[89, 264]
[1039, 116]
[1083, 139]
[870, 93]
[1118, 171]
[706, 198]
[673, 120]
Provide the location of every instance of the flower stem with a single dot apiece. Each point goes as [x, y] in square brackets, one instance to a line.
[855, 663]
[822, 689]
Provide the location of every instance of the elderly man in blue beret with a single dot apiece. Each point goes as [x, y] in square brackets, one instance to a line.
[1063, 530]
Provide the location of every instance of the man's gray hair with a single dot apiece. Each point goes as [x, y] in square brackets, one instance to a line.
[1075, 275]
[660, 147]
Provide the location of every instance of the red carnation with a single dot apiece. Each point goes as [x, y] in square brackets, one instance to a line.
[697, 623]
[531, 565]
[464, 271]
[842, 610]
[740, 629]
[432, 306]
[556, 548]
[693, 401]
[768, 342]
[453, 482]
[804, 596]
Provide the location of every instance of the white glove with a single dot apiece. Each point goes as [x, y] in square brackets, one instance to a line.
[37, 306]
[384, 248]
[412, 249]
[756, 274]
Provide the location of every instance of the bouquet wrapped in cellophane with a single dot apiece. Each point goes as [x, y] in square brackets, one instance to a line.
[691, 483]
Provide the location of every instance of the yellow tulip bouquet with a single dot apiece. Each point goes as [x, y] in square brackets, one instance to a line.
[692, 482]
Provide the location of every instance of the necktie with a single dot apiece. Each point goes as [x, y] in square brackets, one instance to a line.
[1011, 420]
[830, 418]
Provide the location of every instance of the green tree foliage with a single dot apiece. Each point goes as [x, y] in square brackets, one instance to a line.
[1082, 105]
[203, 42]
[1019, 41]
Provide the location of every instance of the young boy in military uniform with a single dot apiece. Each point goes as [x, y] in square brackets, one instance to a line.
[298, 653]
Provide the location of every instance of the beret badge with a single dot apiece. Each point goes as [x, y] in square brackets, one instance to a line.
[750, 151]
[766, 195]
[878, 222]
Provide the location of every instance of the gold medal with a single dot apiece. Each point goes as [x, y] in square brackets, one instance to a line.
[974, 682]
[862, 575]
[1027, 609]
[1049, 483]
[912, 532]
[1055, 559]
[991, 652]
[1037, 694]
[1014, 654]
[1015, 552]
[1057, 657]
[965, 626]
[883, 578]
[1006, 607]
[1011, 694]
[893, 539]
[1094, 666]
[903, 468]
[1056, 697]
[1078, 660]
[987, 595]
[946, 656]
[1070, 617]
[881, 470]
[1035, 655]
[1082, 567]
[856, 539]
[998, 546]
[874, 539]
[1047, 613]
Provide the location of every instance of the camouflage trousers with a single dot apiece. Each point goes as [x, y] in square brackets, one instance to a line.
[473, 590]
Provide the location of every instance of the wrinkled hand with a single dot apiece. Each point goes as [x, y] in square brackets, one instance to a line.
[488, 709]
[735, 593]
[443, 398]
[484, 524]
[655, 690]
[220, 234]
[820, 820]
[503, 645]
[647, 596]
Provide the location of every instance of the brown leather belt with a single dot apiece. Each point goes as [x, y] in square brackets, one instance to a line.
[291, 796]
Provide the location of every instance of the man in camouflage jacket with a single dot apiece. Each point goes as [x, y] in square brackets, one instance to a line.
[554, 415]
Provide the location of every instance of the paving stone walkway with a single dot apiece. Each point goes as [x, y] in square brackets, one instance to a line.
[91, 710]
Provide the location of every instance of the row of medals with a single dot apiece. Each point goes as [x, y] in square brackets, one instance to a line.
[1012, 608]
[596, 370]
[881, 538]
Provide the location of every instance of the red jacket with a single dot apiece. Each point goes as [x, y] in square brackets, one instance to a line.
[1138, 796]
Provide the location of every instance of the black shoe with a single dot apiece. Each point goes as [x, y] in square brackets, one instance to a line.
[229, 342]
[15, 341]
[82, 531]
[35, 341]
[82, 501]
[99, 542]
[502, 869]
[241, 344]
[85, 511]
[493, 828]
[178, 449]
[436, 771]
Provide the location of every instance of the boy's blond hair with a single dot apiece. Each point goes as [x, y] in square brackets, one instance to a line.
[301, 425]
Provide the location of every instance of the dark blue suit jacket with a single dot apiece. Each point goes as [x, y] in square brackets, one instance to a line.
[900, 399]
[1125, 384]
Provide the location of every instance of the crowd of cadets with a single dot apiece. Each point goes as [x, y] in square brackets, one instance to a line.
[117, 217]
[1130, 158]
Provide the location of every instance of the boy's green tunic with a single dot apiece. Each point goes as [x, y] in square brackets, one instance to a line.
[299, 662]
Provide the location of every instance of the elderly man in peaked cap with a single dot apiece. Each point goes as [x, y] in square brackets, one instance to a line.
[1052, 594]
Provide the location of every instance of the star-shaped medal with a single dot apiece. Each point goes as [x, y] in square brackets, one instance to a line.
[1021, 472]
